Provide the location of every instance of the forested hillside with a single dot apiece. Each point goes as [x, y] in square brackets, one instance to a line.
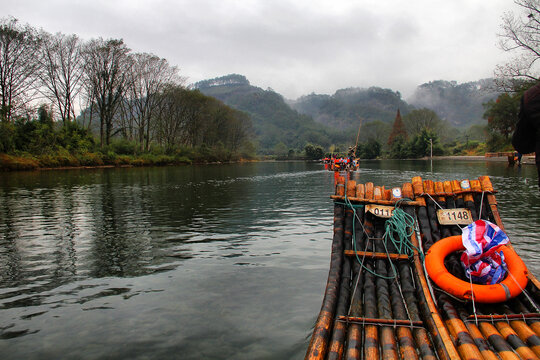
[334, 119]
[275, 123]
[344, 109]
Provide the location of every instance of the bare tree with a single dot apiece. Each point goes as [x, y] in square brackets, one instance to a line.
[171, 119]
[19, 46]
[150, 75]
[106, 68]
[62, 71]
[520, 36]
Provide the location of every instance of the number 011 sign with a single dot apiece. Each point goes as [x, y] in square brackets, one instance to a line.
[380, 210]
[454, 216]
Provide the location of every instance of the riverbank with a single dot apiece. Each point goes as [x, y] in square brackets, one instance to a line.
[66, 161]
[526, 159]
[98, 161]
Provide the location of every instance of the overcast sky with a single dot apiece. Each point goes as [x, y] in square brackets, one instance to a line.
[294, 46]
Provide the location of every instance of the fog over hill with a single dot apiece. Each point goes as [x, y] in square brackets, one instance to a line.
[459, 104]
[325, 119]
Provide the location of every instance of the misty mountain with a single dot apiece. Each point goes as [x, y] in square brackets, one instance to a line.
[346, 107]
[334, 119]
[459, 104]
[274, 121]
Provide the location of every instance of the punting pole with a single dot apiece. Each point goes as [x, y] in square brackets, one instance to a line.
[318, 345]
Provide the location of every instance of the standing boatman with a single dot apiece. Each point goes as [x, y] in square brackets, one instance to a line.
[526, 137]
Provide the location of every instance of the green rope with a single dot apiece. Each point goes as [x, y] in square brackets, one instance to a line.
[361, 206]
[398, 229]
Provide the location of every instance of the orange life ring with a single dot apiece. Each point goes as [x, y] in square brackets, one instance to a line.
[506, 289]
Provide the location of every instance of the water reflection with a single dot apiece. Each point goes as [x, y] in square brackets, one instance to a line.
[132, 222]
[205, 260]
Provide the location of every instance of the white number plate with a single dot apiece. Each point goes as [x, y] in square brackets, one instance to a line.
[454, 216]
[380, 210]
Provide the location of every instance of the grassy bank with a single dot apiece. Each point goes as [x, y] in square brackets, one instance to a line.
[34, 162]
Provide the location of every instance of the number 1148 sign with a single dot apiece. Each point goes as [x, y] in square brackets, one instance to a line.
[454, 216]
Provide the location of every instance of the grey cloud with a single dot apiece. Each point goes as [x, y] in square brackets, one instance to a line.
[295, 47]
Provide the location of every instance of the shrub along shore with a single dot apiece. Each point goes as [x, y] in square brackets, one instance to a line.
[37, 162]
[98, 160]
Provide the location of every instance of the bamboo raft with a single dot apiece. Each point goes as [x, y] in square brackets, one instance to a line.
[379, 302]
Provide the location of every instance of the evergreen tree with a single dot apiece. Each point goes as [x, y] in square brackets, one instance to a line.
[398, 130]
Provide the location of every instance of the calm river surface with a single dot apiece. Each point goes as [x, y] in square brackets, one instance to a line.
[193, 262]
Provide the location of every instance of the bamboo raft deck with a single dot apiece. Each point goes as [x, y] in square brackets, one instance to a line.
[379, 302]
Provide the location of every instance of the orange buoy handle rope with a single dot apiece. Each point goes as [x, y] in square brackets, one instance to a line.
[513, 285]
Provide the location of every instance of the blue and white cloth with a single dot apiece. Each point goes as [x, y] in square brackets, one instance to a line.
[483, 259]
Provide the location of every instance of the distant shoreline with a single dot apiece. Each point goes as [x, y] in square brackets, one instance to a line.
[527, 159]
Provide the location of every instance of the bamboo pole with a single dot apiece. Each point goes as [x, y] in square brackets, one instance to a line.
[404, 334]
[519, 307]
[384, 307]
[336, 346]
[366, 201]
[340, 186]
[377, 255]
[478, 338]
[463, 339]
[504, 350]
[319, 341]
[429, 188]
[511, 337]
[425, 229]
[371, 335]
[468, 198]
[485, 182]
[355, 334]
[527, 335]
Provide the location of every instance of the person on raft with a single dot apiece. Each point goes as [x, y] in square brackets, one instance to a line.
[526, 137]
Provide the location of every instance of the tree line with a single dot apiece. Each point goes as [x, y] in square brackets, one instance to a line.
[139, 98]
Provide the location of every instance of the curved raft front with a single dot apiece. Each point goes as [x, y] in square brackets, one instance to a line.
[379, 304]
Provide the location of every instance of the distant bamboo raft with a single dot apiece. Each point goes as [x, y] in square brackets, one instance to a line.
[379, 303]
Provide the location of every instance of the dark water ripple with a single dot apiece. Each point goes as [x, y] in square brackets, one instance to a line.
[191, 262]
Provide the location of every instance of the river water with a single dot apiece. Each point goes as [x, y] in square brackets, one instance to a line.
[193, 262]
